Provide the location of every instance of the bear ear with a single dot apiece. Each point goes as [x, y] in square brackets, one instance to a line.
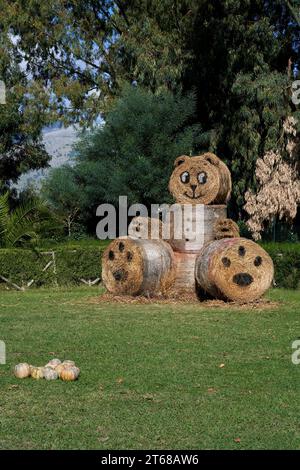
[180, 160]
[211, 158]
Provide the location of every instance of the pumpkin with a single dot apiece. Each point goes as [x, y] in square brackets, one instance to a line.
[70, 374]
[37, 373]
[59, 369]
[68, 363]
[22, 370]
[53, 363]
[50, 374]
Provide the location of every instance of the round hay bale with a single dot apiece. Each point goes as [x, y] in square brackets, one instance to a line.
[145, 228]
[185, 272]
[196, 230]
[138, 267]
[233, 269]
[204, 179]
[225, 228]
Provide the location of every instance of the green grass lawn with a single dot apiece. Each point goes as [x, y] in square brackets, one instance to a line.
[150, 374]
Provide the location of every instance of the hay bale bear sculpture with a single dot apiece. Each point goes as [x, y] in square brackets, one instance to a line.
[221, 265]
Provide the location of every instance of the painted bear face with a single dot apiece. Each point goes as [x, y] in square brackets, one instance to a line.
[204, 179]
[243, 270]
[122, 269]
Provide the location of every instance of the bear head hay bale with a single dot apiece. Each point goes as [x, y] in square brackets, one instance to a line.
[203, 179]
[138, 267]
[145, 228]
[234, 269]
[225, 228]
[196, 226]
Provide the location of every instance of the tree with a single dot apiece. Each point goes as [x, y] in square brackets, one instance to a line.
[85, 51]
[64, 196]
[131, 154]
[20, 158]
[278, 193]
[21, 148]
[261, 104]
[80, 54]
[238, 55]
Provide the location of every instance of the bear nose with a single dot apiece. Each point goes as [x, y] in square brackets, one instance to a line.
[242, 279]
[193, 186]
[120, 275]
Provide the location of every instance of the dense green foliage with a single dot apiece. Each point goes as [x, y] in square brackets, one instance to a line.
[72, 263]
[65, 197]
[158, 43]
[239, 56]
[150, 375]
[132, 154]
[21, 118]
[82, 260]
[286, 258]
[20, 150]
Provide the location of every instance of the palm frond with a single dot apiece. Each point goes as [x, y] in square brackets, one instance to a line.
[4, 212]
[21, 224]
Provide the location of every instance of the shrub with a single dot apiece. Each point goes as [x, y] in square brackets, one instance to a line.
[72, 263]
[82, 260]
[286, 258]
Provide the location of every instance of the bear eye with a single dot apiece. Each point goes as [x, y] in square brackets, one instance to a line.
[202, 177]
[111, 255]
[226, 262]
[242, 250]
[258, 261]
[185, 177]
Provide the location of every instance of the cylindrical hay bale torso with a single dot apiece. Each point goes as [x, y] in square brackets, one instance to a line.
[197, 226]
[185, 272]
[233, 269]
[138, 267]
[145, 228]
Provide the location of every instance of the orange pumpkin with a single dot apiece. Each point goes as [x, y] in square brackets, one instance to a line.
[59, 369]
[69, 374]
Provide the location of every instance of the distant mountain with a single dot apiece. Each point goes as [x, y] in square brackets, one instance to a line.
[58, 143]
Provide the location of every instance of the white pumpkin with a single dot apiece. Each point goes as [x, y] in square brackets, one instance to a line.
[53, 363]
[50, 374]
[69, 363]
[22, 370]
